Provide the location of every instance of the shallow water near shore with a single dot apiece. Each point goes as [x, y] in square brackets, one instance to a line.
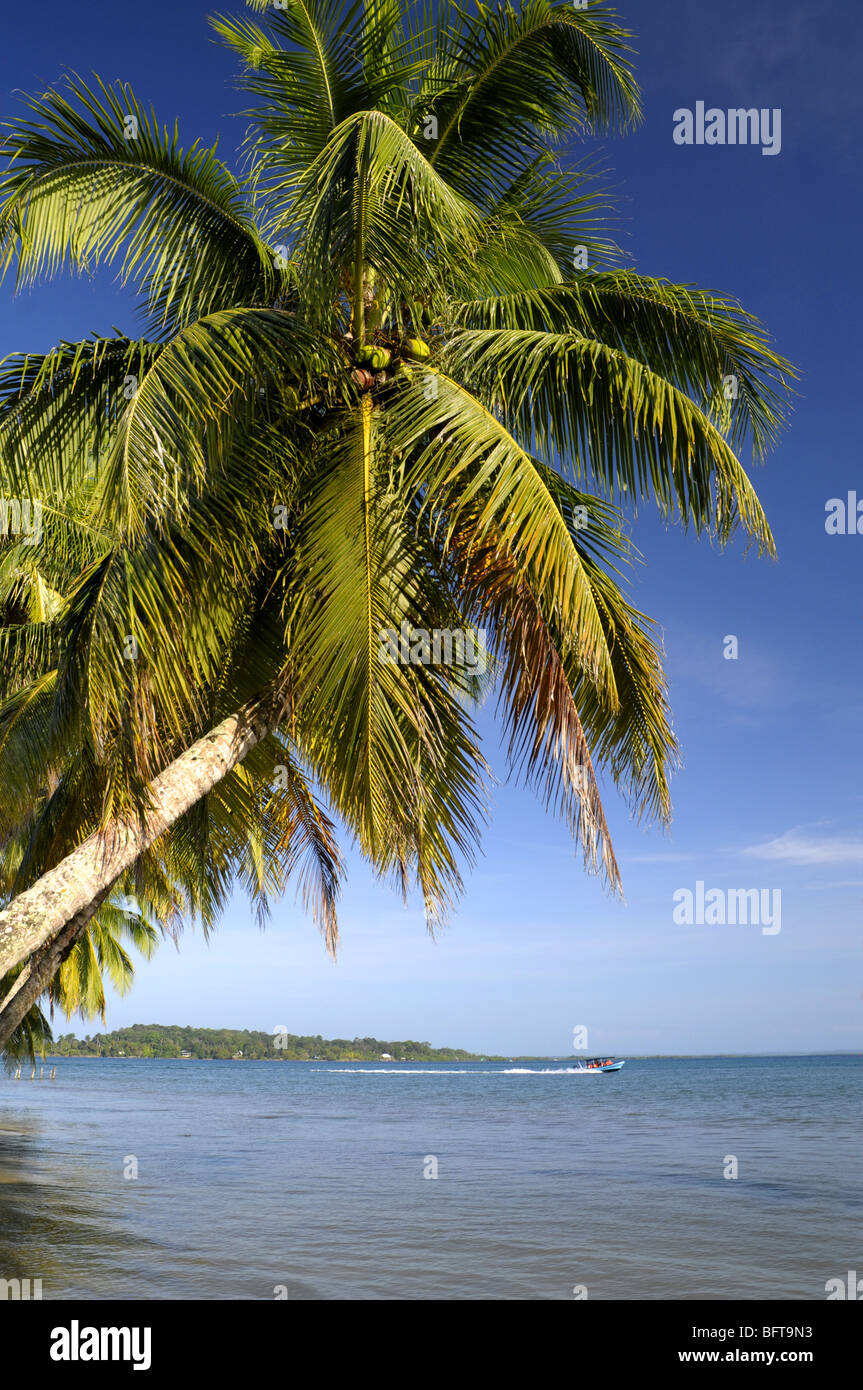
[310, 1177]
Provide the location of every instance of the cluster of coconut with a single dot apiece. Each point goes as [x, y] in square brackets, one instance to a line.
[374, 365]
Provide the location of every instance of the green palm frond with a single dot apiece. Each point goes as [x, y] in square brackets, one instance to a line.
[27, 743]
[470, 455]
[95, 180]
[27, 651]
[58, 410]
[564, 213]
[615, 421]
[30, 1040]
[633, 740]
[372, 198]
[705, 344]
[508, 78]
[547, 743]
[316, 66]
[389, 741]
[212, 375]
[306, 844]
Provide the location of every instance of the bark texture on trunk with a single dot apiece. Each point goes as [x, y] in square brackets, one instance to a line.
[40, 970]
[43, 910]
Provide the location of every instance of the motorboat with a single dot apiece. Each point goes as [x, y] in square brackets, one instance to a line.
[600, 1064]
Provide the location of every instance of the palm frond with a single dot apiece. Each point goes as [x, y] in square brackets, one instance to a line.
[390, 742]
[614, 421]
[707, 345]
[509, 78]
[96, 180]
[467, 455]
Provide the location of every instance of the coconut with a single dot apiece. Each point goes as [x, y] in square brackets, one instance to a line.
[375, 357]
[364, 379]
[415, 347]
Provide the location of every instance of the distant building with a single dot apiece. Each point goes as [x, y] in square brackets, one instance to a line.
[385, 1057]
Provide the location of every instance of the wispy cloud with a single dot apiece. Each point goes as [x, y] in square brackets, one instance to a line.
[797, 847]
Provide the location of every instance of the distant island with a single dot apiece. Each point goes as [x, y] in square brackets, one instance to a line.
[169, 1041]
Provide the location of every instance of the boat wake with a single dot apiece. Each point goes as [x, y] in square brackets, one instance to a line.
[551, 1071]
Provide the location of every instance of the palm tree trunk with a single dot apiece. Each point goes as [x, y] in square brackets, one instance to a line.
[42, 911]
[41, 968]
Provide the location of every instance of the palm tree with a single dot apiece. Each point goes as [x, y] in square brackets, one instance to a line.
[77, 984]
[395, 374]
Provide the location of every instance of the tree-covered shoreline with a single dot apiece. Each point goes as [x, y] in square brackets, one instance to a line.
[171, 1041]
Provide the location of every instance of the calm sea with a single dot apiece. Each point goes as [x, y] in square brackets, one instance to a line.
[310, 1176]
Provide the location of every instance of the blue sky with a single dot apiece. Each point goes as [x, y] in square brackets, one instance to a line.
[771, 793]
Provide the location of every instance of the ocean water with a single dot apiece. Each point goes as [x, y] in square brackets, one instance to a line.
[309, 1177]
